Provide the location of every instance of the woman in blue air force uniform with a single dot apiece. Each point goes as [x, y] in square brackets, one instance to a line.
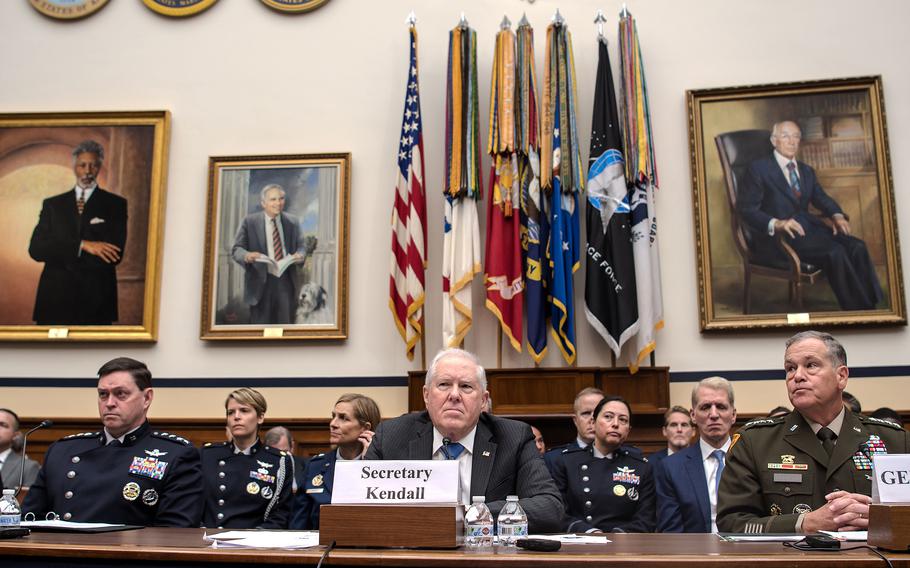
[605, 487]
[247, 484]
[350, 430]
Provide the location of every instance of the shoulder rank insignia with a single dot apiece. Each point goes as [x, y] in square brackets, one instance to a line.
[880, 422]
[172, 437]
[763, 422]
[81, 435]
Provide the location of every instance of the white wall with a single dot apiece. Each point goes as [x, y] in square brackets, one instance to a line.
[242, 79]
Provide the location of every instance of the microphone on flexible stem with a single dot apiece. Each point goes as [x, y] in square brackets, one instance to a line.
[445, 448]
[42, 424]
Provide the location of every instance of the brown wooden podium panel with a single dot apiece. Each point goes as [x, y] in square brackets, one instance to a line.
[185, 547]
[384, 526]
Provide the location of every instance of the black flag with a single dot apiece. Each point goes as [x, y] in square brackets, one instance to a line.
[610, 300]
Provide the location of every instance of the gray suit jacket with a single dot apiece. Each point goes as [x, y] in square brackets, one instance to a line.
[251, 238]
[505, 462]
[10, 472]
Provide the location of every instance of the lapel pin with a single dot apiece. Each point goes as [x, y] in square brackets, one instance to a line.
[857, 429]
[486, 454]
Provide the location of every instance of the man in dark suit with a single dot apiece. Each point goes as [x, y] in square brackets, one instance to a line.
[128, 472]
[775, 199]
[687, 480]
[271, 234]
[80, 238]
[678, 432]
[496, 456]
[810, 470]
[11, 461]
[280, 438]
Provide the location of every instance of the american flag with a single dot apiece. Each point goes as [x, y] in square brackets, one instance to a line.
[409, 218]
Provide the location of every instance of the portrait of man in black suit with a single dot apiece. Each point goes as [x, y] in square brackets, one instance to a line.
[80, 238]
[776, 199]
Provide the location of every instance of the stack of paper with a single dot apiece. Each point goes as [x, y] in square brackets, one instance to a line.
[264, 539]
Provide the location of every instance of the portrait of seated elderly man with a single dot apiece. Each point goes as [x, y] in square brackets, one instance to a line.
[779, 197]
[497, 457]
[809, 470]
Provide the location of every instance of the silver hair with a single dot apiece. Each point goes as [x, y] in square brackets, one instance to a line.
[277, 433]
[836, 353]
[91, 147]
[452, 353]
[714, 383]
[268, 188]
[775, 130]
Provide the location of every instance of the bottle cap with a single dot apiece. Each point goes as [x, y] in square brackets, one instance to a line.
[474, 499]
[512, 498]
[9, 491]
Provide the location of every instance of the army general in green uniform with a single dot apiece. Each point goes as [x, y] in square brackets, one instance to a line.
[810, 470]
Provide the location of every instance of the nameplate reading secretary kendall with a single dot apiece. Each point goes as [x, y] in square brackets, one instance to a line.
[385, 482]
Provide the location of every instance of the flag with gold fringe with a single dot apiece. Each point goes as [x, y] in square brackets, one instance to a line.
[502, 254]
[409, 218]
[535, 224]
[641, 175]
[463, 186]
[562, 175]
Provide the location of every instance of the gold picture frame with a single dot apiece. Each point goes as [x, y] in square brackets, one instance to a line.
[751, 274]
[56, 284]
[241, 299]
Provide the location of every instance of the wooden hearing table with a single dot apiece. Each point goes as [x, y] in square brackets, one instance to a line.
[185, 547]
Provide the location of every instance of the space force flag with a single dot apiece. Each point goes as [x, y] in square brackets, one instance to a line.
[611, 304]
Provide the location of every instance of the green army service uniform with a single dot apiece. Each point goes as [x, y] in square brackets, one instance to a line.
[777, 469]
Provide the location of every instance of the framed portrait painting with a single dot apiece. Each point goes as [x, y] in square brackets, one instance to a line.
[276, 251]
[82, 205]
[794, 206]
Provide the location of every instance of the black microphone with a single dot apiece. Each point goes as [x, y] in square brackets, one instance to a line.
[445, 448]
[42, 424]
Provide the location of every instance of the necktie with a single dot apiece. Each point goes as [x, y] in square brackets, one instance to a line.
[452, 451]
[80, 201]
[115, 443]
[276, 240]
[719, 456]
[827, 436]
[794, 180]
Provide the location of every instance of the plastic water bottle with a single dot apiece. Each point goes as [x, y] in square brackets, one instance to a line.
[10, 513]
[512, 523]
[478, 524]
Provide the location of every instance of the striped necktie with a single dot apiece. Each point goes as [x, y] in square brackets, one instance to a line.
[276, 240]
[80, 200]
[794, 179]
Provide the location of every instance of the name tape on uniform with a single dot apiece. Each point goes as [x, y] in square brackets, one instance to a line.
[375, 482]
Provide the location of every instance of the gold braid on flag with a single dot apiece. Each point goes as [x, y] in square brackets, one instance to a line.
[454, 122]
[546, 141]
[502, 121]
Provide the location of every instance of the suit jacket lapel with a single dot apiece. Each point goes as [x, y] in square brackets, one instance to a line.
[482, 455]
[695, 468]
[421, 447]
[800, 435]
[852, 434]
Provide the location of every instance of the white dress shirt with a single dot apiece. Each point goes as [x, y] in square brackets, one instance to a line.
[465, 460]
[711, 467]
